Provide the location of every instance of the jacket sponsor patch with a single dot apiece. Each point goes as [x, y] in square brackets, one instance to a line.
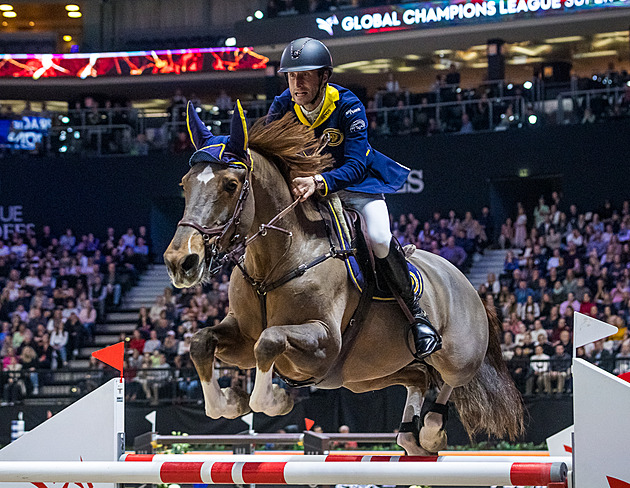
[353, 111]
[358, 125]
[335, 135]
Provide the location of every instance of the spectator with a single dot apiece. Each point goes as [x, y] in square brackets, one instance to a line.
[540, 367]
[519, 368]
[601, 357]
[153, 344]
[560, 368]
[454, 254]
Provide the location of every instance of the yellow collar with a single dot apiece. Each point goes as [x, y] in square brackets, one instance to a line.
[331, 96]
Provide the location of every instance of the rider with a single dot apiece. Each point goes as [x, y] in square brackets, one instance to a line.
[360, 175]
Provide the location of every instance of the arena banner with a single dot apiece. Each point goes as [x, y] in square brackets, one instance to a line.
[137, 63]
[25, 133]
[409, 16]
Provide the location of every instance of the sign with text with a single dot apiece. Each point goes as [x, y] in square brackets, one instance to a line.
[24, 133]
[12, 220]
[409, 16]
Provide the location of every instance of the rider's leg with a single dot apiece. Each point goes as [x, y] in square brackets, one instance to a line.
[393, 264]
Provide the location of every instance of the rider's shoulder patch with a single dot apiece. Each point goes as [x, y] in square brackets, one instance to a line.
[358, 125]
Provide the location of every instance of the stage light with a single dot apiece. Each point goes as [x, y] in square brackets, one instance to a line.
[5, 7]
[65, 120]
[63, 149]
[230, 42]
[510, 86]
[528, 85]
[72, 8]
[74, 15]
[9, 14]
[67, 38]
[532, 119]
[249, 18]
[258, 14]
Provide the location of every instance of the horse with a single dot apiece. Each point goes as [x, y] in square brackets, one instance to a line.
[237, 195]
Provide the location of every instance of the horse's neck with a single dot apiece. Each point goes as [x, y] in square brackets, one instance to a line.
[276, 249]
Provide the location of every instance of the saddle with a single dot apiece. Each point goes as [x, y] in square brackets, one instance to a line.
[347, 231]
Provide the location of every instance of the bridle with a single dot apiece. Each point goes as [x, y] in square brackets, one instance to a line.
[229, 228]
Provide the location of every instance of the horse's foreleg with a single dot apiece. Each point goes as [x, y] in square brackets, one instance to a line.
[308, 347]
[229, 402]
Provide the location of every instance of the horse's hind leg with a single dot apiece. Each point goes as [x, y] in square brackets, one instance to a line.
[426, 435]
[432, 435]
[229, 402]
[308, 347]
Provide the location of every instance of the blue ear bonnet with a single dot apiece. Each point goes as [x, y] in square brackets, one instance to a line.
[229, 150]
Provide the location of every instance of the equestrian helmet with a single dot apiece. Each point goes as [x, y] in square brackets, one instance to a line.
[305, 54]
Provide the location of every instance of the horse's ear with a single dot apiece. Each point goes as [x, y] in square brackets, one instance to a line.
[238, 132]
[200, 135]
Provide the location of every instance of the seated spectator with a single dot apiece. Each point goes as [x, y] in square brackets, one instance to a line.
[454, 254]
[136, 342]
[622, 359]
[601, 357]
[560, 368]
[153, 344]
[569, 302]
[519, 369]
[58, 342]
[540, 367]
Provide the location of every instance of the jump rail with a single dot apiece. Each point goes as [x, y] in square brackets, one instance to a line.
[294, 473]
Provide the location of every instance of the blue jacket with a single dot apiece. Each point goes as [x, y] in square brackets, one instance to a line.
[357, 166]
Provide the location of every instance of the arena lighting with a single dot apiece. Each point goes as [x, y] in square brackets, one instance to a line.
[62, 136]
[70, 129]
[67, 38]
[532, 119]
[9, 14]
[259, 14]
[627, 83]
[74, 15]
[77, 135]
[249, 18]
[528, 85]
[6, 7]
[63, 149]
[230, 42]
[72, 8]
[510, 86]
[65, 120]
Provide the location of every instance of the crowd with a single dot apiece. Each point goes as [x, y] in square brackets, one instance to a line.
[54, 290]
[562, 261]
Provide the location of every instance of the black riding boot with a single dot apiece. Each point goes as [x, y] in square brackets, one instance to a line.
[394, 269]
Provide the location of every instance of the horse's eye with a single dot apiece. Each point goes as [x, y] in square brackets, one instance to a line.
[230, 186]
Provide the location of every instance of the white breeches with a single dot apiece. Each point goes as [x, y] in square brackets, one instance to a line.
[374, 211]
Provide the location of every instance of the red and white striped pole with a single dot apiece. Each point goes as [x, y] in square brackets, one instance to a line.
[294, 473]
[346, 458]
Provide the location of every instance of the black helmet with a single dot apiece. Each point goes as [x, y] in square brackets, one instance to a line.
[305, 54]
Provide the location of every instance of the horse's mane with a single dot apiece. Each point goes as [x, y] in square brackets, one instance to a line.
[290, 145]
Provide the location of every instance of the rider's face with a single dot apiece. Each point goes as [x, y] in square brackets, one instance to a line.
[304, 87]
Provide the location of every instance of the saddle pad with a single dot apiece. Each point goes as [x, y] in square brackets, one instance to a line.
[341, 240]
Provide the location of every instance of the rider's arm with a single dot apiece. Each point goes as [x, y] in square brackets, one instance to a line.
[353, 125]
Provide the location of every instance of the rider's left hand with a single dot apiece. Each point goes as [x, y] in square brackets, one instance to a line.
[303, 187]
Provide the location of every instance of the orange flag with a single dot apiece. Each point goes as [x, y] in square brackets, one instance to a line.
[309, 423]
[113, 356]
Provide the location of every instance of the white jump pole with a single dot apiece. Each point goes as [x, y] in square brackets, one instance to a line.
[242, 458]
[296, 473]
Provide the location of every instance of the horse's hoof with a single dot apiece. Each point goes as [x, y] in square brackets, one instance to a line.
[407, 441]
[433, 441]
[235, 404]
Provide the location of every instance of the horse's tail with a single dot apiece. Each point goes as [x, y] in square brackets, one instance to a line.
[490, 402]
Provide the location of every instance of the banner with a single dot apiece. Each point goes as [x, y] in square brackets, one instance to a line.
[25, 133]
[409, 16]
[138, 63]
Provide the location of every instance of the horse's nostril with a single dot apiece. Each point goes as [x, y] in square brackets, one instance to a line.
[190, 262]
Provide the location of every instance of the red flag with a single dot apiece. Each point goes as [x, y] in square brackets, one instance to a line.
[309, 423]
[113, 356]
[616, 483]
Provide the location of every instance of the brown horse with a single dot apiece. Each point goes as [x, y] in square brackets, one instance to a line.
[298, 332]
